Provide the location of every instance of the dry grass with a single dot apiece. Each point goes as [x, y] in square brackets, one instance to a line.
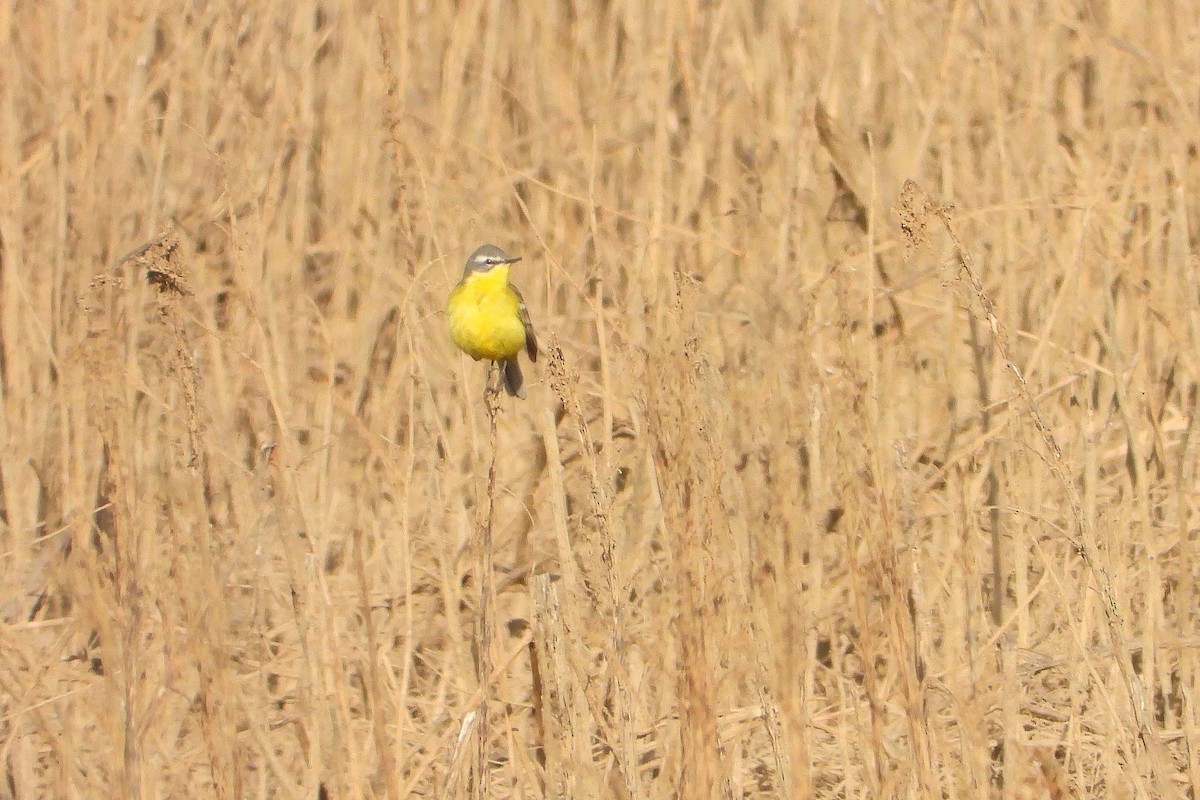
[828, 486]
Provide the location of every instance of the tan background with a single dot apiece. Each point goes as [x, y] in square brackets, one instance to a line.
[774, 457]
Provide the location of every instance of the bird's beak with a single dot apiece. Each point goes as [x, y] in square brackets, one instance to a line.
[512, 259]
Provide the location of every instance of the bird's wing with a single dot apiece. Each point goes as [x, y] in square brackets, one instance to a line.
[531, 345]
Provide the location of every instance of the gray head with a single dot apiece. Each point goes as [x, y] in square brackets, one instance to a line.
[486, 257]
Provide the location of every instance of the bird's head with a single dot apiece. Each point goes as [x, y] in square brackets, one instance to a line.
[486, 258]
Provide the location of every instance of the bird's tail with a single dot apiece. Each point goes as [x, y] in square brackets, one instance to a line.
[514, 381]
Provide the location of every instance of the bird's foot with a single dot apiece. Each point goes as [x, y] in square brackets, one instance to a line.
[493, 385]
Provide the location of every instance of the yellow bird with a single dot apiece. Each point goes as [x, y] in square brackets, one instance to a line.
[488, 318]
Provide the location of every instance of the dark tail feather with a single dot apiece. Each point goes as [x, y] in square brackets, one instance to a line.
[514, 382]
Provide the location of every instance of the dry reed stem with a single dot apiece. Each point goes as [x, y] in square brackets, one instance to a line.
[680, 423]
[167, 271]
[916, 206]
[564, 381]
[486, 621]
[565, 719]
[125, 540]
[377, 691]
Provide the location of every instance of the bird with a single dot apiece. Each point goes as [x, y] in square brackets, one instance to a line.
[488, 317]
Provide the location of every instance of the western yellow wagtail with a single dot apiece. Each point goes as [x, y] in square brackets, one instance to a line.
[488, 318]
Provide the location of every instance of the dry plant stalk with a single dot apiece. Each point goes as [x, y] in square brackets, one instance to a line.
[689, 486]
[103, 353]
[561, 704]
[376, 694]
[916, 206]
[617, 723]
[487, 590]
[107, 354]
[166, 269]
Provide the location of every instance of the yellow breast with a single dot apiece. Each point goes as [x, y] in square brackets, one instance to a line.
[485, 316]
